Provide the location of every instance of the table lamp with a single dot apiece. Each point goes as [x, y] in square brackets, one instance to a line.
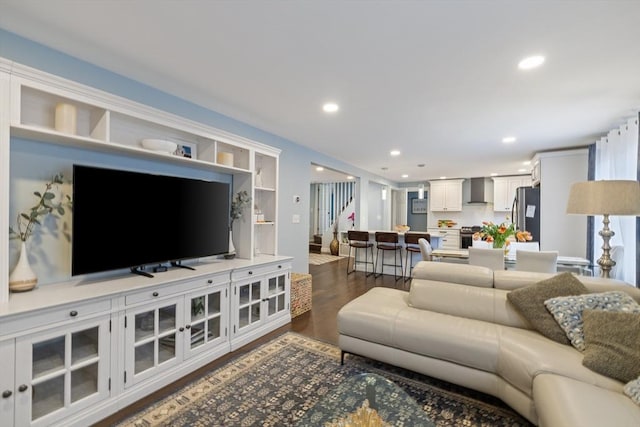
[615, 197]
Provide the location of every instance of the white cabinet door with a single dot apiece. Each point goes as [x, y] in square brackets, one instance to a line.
[61, 371]
[437, 196]
[7, 388]
[446, 195]
[277, 294]
[153, 339]
[504, 191]
[247, 306]
[260, 302]
[206, 319]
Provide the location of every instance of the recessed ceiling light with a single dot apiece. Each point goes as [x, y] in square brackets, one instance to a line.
[330, 107]
[394, 152]
[522, 170]
[531, 62]
[404, 175]
[509, 139]
[494, 174]
[443, 177]
[349, 177]
[526, 162]
[319, 168]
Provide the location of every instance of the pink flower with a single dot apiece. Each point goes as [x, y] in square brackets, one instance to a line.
[352, 217]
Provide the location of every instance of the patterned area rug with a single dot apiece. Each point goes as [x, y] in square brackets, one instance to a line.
[277, 383]
[317, 259]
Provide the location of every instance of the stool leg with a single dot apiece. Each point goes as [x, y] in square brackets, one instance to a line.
[375, 267]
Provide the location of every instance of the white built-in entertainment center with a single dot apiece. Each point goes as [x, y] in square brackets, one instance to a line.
[79, 349]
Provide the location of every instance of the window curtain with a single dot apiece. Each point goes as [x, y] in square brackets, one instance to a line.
[616, 157]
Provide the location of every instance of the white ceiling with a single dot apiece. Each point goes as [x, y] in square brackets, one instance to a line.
[437, 80]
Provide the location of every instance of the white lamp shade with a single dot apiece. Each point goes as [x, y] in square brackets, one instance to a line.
[615, 197]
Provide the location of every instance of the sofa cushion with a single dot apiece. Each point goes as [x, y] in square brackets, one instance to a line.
[529, 301]
[524, 354]
[472, 302]
[612, 343]
[474, 275]
[562, 401]
[568, 311]
[515, 279]
[466, 342]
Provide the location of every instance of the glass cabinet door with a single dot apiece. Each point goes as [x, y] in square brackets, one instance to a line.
[151, 335]
[61, 371]
[206, 319]
[276, 294]
[249, 298]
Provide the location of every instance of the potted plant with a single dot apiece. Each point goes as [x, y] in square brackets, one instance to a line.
[22, 277]
[239, 202]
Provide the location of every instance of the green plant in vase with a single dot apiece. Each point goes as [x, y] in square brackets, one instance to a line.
[22, 277]
[239, 203]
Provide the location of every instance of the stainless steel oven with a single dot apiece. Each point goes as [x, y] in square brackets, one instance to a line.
[466, 236]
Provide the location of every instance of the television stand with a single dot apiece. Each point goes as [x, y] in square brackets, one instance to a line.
[136, 270]
[179, 265]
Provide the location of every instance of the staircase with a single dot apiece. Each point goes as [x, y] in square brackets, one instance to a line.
[316, 245]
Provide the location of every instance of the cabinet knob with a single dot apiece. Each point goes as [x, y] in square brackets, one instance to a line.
[6, 394]
[279, 266]
[73, 313]
[188, 326]
[23, 388]
[209, 281]
[181, 329]
[251, 272]
[155, 294]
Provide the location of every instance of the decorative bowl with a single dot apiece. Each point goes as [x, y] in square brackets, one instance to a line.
[160, 145]
[402, 228]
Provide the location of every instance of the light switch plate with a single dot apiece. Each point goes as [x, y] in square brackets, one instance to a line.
[296, 199]
[296, 219]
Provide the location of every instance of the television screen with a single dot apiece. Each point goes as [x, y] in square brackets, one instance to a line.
[124, 219]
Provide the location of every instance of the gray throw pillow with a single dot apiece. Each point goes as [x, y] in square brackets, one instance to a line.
[529, 301]
[612, 343]
[568, 310]
[632, 389]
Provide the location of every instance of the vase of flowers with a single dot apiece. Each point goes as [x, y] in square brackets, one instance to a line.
[22, 277]
[498, 234]
[239, 202]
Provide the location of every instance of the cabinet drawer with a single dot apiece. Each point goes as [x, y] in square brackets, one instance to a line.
[245, 273]
[157, 292]
[53, 316]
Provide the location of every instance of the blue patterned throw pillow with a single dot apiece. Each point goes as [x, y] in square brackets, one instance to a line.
[568, 311]
[632, 389]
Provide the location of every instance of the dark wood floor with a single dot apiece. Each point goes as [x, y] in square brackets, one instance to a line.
[332, 289]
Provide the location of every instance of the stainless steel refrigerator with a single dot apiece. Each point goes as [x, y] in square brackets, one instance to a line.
[525, 211]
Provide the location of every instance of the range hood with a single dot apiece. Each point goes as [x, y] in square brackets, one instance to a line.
[477, 191]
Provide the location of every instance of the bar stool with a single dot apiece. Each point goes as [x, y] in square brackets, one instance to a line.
[360, 240]
[412, 247]
[388, 241]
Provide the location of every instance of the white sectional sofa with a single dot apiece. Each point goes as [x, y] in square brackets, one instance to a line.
[457, 325]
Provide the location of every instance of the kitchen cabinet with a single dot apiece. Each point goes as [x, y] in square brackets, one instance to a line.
[260, 302]
[445, 195]
[449, 237]
[504, 191]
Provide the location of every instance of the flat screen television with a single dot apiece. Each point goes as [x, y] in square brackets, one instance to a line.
[123, 219]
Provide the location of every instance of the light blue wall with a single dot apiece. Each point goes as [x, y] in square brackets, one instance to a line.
[295, 159]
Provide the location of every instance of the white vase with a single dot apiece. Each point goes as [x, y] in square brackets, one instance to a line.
[22, 278]
[232, 249]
